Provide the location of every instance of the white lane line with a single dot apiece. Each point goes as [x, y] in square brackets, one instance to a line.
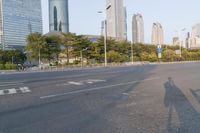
[97, 88]
[24, 89]
[2, 92]
[11, 91]
[75, 83]
[11, 84]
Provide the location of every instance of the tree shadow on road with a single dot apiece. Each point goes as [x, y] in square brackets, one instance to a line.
[177, 103]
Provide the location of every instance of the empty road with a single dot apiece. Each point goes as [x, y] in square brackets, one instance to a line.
[128, 99]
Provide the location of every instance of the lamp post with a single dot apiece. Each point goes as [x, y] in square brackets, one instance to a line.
[180, 40]
[105, 35]
[104, 26]
[81, 53]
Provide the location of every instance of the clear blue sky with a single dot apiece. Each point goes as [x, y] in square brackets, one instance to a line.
[172, 14]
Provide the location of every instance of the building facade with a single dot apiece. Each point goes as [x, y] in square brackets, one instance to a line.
[157, 34]
[138, 29]
[19, 18]
[116, 19]
[194, 39]
[58, 16]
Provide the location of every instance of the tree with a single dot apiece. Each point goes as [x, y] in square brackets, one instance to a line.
[53, 46]
[36, 46]
[68, 40]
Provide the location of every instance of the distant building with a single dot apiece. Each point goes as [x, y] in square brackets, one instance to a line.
[157, 34]
[58, 16]
[176, 41]
[93, 38]
[116, 19]
[138, 29]
[194, 40]
[18, 18]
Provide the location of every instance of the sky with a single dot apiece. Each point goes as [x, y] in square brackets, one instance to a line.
[173, 15]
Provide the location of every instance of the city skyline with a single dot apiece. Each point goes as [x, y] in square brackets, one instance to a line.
[171, 16]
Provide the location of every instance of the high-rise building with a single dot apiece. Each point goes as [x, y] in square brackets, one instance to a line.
[19, 18]
[194, 40]
[157, 34]
[138, 29]
[116, 19]
[196, 30]
[58, 16]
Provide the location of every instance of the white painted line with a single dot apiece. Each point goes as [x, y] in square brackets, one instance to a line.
[11, 84]
[97, 88]
[64, 84]
[11, 91]
[24, 89]
[126, 94]
[2, 92]
[75, 83]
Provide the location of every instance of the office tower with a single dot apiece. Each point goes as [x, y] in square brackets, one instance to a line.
[195, 36]
[138, 29]
[19, 18]
[157, 34]
[58, 16]
[196, 30]
[116, 19]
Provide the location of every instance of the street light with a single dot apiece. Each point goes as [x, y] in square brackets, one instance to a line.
[105, 35]
[180, 41]
[81, 53]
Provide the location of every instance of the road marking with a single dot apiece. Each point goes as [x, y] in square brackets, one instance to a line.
[97, 88]
[2, 92]
[88, 81]
[24, 89]
[14, 91]
[11, 84]
[75, 83]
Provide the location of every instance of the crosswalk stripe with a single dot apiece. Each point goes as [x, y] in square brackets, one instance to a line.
[12, 91]
[25, 89]
[2, 92]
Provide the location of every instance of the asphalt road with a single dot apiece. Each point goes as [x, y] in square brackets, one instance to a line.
[131, 99]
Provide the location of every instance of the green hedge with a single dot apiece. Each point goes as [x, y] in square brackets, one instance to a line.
[8, 66]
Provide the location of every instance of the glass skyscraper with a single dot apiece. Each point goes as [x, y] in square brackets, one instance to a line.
[58, 16]
[19, 18]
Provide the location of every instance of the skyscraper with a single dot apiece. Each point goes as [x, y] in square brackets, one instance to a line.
[116, 19]
[58, 15]
[195, 36]
[196, 30]
[19, 18]
[157, 34]
[138, 29]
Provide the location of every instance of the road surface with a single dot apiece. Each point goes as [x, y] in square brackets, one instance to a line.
[129, 99]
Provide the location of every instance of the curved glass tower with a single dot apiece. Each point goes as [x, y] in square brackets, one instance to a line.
[58, 15]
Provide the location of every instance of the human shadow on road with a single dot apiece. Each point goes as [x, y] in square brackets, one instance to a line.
[177, 103]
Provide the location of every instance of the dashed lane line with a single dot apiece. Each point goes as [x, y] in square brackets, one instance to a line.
[97, 88]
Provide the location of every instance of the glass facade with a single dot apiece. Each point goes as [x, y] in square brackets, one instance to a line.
[19, 18]
[58, 15]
